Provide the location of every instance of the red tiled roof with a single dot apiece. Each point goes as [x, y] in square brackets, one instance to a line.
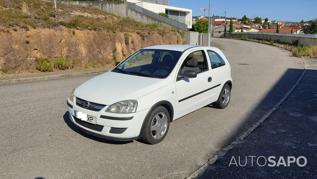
[286, 30]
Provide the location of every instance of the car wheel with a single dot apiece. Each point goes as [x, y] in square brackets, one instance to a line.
[224, 97]
[155, 126]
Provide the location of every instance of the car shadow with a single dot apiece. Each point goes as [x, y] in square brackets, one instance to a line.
[76, 129]
[264, 145]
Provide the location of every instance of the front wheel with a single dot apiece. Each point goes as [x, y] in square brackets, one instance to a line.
[156, 125]
[224, 97]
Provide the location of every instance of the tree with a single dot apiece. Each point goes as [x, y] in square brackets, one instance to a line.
[302, 22]
[277, 28]
[258, 20]
[245, 20]
[201, 26]
[231, 26]
[225, 30]
[312, 28]
[266, 23]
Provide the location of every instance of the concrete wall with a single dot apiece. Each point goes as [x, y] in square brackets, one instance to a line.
[131, 10]
[291, 39]
[195, 38]
[158, 8]
[143, 15]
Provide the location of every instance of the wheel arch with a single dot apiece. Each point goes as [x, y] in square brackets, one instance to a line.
[229, 82]
[167, 105]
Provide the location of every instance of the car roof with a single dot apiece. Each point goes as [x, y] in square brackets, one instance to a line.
[180, 48]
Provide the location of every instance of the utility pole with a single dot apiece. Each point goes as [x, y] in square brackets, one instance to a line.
[203, 10]
[225, 28]
[209, 24]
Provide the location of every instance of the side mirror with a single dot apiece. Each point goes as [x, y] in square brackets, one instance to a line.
[190, 74]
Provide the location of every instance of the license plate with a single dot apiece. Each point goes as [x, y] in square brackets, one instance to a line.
[85, 117]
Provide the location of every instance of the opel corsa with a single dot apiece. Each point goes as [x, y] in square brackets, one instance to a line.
[143, 94]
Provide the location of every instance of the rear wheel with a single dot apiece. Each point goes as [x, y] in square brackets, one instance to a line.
[156, 125]
[224, 97]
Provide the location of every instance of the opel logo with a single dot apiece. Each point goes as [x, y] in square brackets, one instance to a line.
[86, 105]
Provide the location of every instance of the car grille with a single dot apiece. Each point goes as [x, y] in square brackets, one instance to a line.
[89, 105]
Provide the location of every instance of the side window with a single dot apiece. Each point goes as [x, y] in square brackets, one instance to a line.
[195, 61]
[215, 60]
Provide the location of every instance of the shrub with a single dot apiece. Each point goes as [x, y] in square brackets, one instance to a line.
[44, 65]
[163, 14]
[305, 51]
[63, 64]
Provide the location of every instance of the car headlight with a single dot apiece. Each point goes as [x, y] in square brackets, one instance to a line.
[125, 107]
[72, 96]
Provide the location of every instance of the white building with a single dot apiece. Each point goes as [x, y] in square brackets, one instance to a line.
[161, 6]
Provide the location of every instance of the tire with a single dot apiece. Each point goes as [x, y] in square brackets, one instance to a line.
[224, 97]
[155, 126]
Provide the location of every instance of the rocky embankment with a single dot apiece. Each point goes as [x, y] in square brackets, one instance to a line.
[20, 47]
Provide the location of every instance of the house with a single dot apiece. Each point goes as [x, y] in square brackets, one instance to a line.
[179, 14]
[284, 30]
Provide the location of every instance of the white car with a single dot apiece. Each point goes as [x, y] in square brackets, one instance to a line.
[143, 94]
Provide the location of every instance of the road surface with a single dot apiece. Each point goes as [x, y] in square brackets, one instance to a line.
[36, 139]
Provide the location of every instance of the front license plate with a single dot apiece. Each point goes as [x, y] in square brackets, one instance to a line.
[80, 115]
[85, 117]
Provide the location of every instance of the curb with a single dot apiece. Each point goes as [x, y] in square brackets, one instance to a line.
[246, 133]
[41, 77]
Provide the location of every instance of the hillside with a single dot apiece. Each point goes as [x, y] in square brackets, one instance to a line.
[40, 39]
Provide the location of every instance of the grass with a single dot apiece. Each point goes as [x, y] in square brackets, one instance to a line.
[303, 51]
[44, 65]
[49, 65]
[39, 13]
[61, 63]
[295, 49]
[33, 13]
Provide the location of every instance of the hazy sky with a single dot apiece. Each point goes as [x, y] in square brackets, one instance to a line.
[288, 10]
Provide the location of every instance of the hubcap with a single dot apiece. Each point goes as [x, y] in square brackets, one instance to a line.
[159, 125]
[225, 98]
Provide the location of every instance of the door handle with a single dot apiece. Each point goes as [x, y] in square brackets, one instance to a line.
[209, 79]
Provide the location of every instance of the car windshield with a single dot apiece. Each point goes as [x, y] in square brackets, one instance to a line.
[149, 63]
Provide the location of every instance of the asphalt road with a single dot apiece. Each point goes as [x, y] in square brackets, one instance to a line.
[290, 131]
[36, 141]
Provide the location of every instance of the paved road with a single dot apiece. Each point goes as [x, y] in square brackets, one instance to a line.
[290, 131]
[36, 141]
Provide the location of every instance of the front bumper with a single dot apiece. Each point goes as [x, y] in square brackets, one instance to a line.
[109, 125]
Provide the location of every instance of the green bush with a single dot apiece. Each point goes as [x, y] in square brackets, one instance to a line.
[44, 65]
[305, 51]
[63, 64]
[163, 14]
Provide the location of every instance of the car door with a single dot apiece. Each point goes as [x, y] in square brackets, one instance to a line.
[194, 93]
[218, 72]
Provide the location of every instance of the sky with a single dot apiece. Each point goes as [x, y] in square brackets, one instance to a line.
[284, 10]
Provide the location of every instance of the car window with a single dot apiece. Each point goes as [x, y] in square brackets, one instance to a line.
[153, 63]
[200, 63]
[140, 59]
[215, 60]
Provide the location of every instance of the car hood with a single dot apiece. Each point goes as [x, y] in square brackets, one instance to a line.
[112, 87]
